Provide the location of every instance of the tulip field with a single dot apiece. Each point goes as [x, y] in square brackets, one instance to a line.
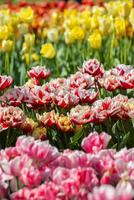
[67, 100]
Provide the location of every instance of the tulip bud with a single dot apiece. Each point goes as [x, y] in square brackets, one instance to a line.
[7, 45]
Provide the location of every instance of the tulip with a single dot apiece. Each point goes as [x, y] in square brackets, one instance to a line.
[7, 45]
[48, 51]
[94, 142]
[64, 123]
[95, 40]
[39, 72]
[5, 82]
[26, 15]
[53, 35]
[4, 32]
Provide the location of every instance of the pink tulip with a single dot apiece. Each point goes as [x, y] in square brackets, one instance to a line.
[95, 142]
[39, 72]
[93, 67]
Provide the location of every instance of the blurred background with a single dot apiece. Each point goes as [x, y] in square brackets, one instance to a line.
[34, 1]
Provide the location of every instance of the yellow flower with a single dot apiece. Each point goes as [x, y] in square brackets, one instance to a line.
[35, 57]
[85, 14]
[64, 123]
[4, 33]
[26, 58]
[112, 8]
[53, 35]
[56, 18]
[39, 132]
[26, 15]
[94, 22]
[71, 22]
[106, 25]
[124, 9]
[77, 33]
[14, 19]
[96, 10]
[24, 47]
[44, 32]
[70, 13]
[23, 28]
[48, 51]
[29, 125]
[95, 40]
[120, 26]
[7, 45]
[68, 37]
[5, 17]
[85, 19]
[29, 39]
[31, 83]
[131, 17]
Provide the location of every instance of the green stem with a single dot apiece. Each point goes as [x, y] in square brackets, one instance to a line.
[7, 66]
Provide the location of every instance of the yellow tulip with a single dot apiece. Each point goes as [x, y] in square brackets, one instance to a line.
[35, 57]
[85, 14]
[7, 45]
[48, 51]
[85, 19]
[94, 22]
[106, 25]
[112, 8]
[44, 33]
[124, 9]
[131, 17]
[70, 13]
[29, 39]
[26, 58]
[4, 33]
[14, 19]
[23, 28]
[77, 33]
[120, 26]
[95, 40]
[68, 37]
[56, 18]
[96, 10]
[26, 15]
[5, 17]
[39, 132]
[64, 123]
[71, 22]
[25, 48]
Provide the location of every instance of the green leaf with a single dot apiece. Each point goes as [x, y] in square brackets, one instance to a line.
[77, 136]
[124, 140]
[114, 146]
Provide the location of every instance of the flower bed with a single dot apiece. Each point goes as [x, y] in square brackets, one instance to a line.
[36, 170]
[67, 101]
